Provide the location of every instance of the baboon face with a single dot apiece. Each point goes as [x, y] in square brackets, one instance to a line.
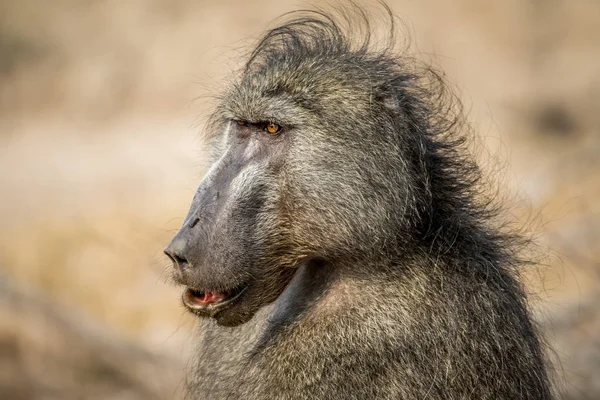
[307, 166]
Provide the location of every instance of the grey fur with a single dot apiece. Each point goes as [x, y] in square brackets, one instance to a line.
[373, 266]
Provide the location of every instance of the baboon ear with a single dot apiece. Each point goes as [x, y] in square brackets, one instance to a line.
[391, 102]
[388, 98]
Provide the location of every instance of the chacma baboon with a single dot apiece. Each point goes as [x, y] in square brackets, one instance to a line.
[339, 245]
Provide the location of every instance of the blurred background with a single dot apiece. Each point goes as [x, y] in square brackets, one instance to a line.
[101, 103]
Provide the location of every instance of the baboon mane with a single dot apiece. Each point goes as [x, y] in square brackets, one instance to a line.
[455, 212]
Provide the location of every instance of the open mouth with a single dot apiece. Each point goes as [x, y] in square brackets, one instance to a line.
[210, 301]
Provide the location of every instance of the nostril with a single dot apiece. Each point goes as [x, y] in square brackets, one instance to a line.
[170, 256]
[180, 260]
[177, 260]
[176, 251]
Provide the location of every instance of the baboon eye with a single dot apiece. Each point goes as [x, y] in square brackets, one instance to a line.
[241, 123]
[272, 128]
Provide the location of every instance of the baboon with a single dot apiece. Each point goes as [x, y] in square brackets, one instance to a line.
[340, 246]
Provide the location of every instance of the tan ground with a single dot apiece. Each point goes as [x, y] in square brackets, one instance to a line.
[100, 105]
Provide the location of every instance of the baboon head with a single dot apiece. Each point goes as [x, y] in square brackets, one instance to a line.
[311, 164]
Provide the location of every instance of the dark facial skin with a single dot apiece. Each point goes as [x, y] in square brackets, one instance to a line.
[225, 243]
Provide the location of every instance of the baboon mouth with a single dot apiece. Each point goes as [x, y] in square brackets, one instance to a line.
[210, 302]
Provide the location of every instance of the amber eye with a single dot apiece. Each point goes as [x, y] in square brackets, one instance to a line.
[272, 128]
[241, 123]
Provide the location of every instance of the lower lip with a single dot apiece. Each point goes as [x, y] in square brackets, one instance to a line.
[210, 309]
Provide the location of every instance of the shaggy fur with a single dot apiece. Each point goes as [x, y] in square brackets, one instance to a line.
[373, 264]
